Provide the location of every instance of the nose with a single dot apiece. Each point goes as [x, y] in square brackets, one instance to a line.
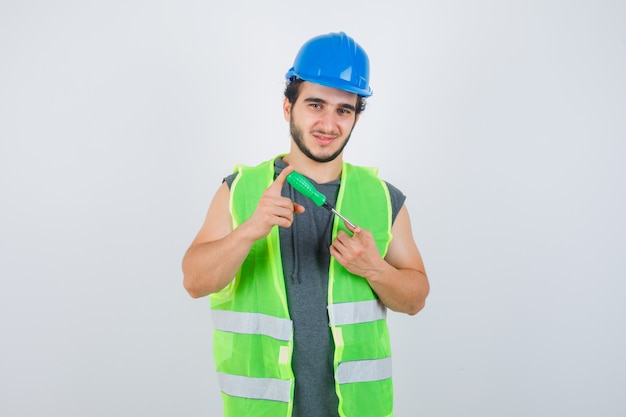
[329, 121]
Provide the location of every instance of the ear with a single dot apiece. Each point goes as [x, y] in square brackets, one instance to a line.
[286, 109]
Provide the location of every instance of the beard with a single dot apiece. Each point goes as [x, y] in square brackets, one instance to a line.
[296, 134]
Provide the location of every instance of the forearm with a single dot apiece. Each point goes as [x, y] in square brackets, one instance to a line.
[401, 290]
[208, 267]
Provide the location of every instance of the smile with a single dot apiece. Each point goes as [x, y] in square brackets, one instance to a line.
[324, 139]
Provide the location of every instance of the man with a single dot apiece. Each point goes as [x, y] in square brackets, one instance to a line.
[298, 296]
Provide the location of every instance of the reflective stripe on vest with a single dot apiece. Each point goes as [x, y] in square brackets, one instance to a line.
[258, 388]
[357, 312]
[363, 371]
[252, 323]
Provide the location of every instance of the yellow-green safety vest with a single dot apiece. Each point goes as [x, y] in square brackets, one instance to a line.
[253, 332]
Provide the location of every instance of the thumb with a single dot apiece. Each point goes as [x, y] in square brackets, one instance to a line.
[278, 183]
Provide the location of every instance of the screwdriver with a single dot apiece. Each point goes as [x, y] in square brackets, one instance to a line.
[304, 186]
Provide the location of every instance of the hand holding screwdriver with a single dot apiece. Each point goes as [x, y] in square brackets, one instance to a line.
[272, 209]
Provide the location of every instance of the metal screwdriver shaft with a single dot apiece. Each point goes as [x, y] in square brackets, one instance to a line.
[340, 216]
[304, 186]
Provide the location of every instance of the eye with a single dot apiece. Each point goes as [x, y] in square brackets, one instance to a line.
[344, 112]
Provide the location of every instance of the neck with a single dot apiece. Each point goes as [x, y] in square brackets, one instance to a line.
[320, 172]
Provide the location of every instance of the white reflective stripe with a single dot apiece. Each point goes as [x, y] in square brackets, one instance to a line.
[257, 388]
[252, 323]
[364, 371]
[357, 312]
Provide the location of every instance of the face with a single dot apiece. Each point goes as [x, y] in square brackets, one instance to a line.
[321, 121]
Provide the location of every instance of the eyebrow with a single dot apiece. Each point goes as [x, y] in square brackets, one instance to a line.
[321, 101]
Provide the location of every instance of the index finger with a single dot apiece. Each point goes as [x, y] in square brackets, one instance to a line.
[354, 229]
[278, 183]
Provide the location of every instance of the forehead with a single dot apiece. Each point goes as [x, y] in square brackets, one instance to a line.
[330, 95]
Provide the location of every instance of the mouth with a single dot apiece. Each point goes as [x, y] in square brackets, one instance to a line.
[323, 139]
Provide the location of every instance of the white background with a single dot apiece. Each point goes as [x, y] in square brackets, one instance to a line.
[503, 122]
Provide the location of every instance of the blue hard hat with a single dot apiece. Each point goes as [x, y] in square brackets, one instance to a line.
[333, 60]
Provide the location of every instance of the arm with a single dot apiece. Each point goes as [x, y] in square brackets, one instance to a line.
[217, 252]
[400, 279]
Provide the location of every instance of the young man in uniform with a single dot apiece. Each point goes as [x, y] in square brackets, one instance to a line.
[298, 296]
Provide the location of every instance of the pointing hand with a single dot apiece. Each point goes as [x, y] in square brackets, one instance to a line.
[273, 209]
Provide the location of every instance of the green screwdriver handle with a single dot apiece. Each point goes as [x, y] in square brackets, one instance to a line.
[304, 186]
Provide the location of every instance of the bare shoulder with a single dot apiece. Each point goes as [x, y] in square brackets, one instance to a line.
[403, 252]
[218, 222]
